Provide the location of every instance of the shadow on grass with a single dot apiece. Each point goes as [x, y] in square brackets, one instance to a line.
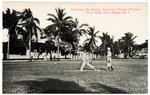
[51, 86]
[106, 89]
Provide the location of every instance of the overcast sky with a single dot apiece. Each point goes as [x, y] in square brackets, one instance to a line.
[114, 18]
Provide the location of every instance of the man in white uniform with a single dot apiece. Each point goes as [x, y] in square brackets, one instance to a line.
[109, 66]
[86, 61]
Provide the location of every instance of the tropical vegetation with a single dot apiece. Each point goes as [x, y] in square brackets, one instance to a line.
[63, 32]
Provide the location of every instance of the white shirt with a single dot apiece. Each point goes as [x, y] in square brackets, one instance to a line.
[84, 56]
[109, 54]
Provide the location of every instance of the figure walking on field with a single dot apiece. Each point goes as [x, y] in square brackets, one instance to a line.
[109, 66]
[86, 61]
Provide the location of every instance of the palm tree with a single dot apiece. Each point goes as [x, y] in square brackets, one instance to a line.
[107, 41]
[29, 23]
[66, 48]
[59, 24]
[116, 48]
[49, 43]
[128, 43]
[79, 30]
[72, 34]
[70, 37]
[92, 40]
[10, 21]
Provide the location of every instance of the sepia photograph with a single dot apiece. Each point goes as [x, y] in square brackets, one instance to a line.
[74, 47]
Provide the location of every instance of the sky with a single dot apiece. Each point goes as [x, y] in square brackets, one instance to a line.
[114, 18]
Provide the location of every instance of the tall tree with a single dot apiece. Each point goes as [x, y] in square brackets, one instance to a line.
[59, 23]
[10, 21]
[92, 40]
[79, 30]
[107, 41]
[128, 43]
[30, 24]
[116, 48]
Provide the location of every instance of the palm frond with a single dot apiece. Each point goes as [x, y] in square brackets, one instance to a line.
[8, 11]
[53, 17]
[96, 33]
[76, 20]
[83, 31]
[20, 24]
[68, 18]
[53, 20]
[91, 29]
[83, 25]
[134, 38]
[36, 20]
[38, 28]
[87, 40]
[88, 32]
[35, 32]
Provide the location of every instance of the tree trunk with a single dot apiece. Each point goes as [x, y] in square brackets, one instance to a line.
[58, 46]
[128, 51]
[73, 46]
[8, 47]
[30, 46]
[65, 56]
[105, 54]
[70, 54]
[51, 56]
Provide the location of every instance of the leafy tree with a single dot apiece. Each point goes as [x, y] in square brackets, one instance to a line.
[127, 42]
[107, 41]
[78, 30]
[116, 48]
[91, 42]
[59, 24]
[30, 24]
[49, 45]
[10, 21]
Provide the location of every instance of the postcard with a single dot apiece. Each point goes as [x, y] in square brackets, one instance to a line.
[74, 47]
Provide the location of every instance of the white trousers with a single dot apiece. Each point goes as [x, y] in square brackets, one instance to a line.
[108, 61]
[86, 63]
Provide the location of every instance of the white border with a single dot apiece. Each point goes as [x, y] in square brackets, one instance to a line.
[81, 0]
[75, 1]
[148, 44]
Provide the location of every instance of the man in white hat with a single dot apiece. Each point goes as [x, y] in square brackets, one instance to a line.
[109, 66]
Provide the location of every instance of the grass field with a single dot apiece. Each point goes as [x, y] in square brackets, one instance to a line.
[129, 76]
